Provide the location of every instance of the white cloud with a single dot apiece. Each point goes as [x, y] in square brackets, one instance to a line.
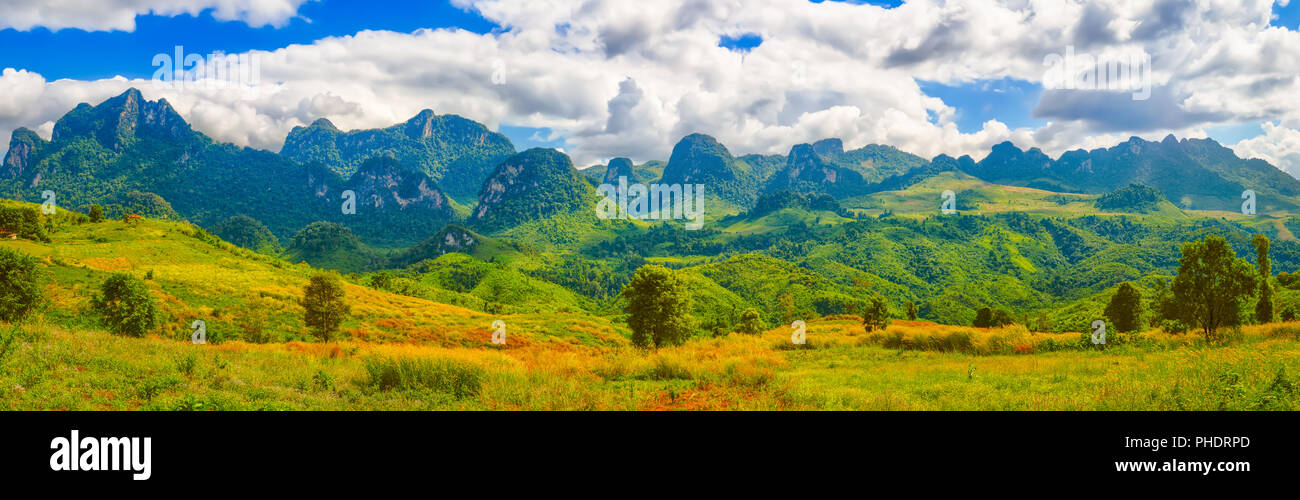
[619, 78]
[106, 15]
[1279, 145]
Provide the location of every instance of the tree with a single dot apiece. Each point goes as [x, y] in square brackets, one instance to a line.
[875, 315]
[987, 317]
[751, 322]
[22, 289]
[1264, 307]
[249, 233]
[1125, 308]
[911, 310]
[1211, 284]
[126, 306]
[1001, 318]
[324, 305]
[658, 307]
[252, 319]
[786, 302]
[96, 213]
[381, 280]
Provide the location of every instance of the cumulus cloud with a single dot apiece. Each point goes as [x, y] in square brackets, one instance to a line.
[617, 78]
[106, 15]
[1279, 145]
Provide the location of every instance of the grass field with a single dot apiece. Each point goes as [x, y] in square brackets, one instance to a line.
[401, 352]
[842, 367]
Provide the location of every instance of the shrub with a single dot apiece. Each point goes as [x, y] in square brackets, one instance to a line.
[96, 213]
[453, 377]
[751, 322]
[21, 285]
[126, 306]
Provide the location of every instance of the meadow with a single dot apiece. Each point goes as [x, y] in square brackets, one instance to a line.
[841, 368]
[401, 352]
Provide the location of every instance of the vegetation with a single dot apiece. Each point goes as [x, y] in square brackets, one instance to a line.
[1133, 198]
[1264, 305]
[324, 305]
[658, 307]
[22, 285]
[249, 233]
[25, 222]
[1125, 308]
[751, 322]
[126, 306]
[1211, 285]
[407, 324]
[875, 315]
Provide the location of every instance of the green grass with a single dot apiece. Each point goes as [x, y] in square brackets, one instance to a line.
[52, 368]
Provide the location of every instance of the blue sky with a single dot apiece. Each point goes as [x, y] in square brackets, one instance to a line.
[973, 83]
[75, 53]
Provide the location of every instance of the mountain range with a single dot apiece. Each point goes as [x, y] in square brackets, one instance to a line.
[412, 179]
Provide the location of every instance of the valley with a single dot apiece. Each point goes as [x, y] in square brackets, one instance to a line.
[824, 236]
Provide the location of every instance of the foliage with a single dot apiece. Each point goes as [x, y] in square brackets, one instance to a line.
[658, 307]
[22, 283]
[531, 185]
[875, 316]
[22, 221]
[249, 233]
[1125, 308]
[1211, 284]
[1133, 198]
[455, 152]
[751, 322]
[126, 306]
[1263, 306]
[324, 305]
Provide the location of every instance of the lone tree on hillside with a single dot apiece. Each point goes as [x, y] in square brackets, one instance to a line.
[875, 315]
[658, 307]
[1125, 308]
[96, 213]
[911, 310]
[1211, 284]
[751, 322]
[21, 285]
[126, 306]
[1263, 308]
[324, 305]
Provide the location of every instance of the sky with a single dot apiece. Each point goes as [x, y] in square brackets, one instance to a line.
[605, 78]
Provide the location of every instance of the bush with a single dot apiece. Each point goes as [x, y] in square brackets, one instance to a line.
[96, 213]
[126, 306]
[21, 285]
[750, 322]
[453, 377]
